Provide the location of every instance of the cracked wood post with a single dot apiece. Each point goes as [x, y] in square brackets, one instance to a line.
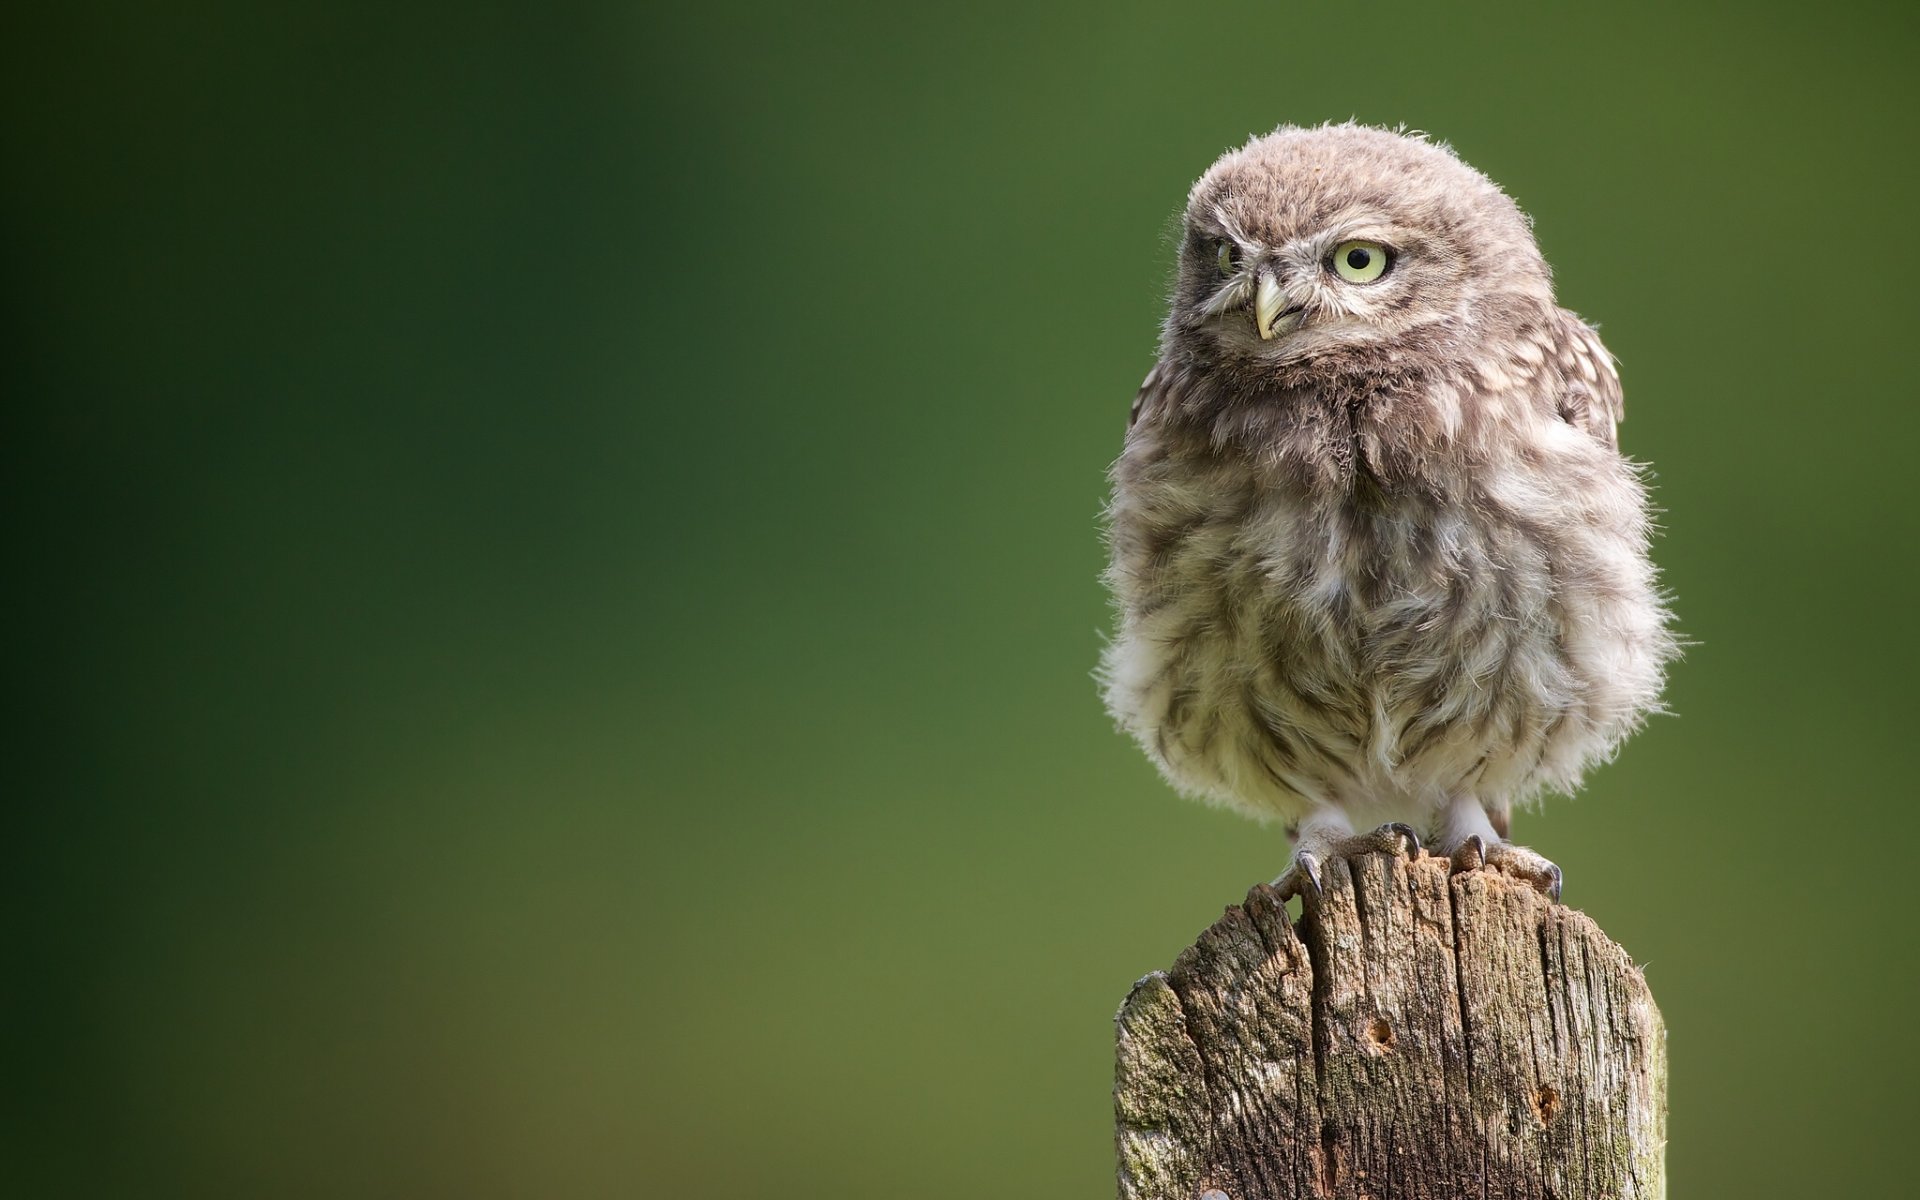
[1416, 1035]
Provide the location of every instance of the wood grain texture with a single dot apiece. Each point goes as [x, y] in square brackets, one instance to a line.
[1416, 1035]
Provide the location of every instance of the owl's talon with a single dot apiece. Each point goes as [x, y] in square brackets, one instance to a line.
[1302, 879]
[1471, 856]
[1522, 863]
[1393, 838]
[1475, 854]
[1405, 831]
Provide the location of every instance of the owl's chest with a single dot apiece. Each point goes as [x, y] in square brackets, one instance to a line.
[1368, 580]
[1346, 623]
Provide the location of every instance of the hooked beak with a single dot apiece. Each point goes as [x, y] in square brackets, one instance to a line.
[1270, 307]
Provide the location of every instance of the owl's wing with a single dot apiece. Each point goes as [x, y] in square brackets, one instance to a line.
[1149, 395]
[1590, 396]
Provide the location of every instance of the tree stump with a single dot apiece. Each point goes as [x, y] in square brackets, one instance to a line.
[1417, 1035]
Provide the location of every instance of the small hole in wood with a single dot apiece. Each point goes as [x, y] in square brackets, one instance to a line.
[1380, 1033]
[1546, 1103]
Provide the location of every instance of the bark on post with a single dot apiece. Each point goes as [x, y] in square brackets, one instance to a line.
[1417, 1035]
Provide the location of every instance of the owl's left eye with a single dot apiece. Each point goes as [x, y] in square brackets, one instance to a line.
[1360, 262]
[1228, 256]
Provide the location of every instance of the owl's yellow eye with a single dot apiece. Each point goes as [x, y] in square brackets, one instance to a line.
[1229, 257]
[1360, 262]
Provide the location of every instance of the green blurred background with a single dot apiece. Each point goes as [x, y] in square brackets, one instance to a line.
[555, 575]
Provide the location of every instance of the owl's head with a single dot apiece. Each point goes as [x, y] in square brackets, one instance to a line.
[1307, 241]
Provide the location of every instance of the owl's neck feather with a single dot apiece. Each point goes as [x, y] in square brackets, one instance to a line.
[1408, 417]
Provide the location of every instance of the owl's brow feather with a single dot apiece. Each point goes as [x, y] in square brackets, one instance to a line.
[1232, 227]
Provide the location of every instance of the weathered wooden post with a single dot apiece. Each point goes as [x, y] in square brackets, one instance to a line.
[1417, 1035]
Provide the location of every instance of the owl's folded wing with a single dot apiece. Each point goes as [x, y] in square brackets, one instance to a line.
[1590, 397]
[1149, 394]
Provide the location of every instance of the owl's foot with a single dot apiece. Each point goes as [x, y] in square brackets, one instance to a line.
[1391, 838]
[1302, 877]
[1476, 852]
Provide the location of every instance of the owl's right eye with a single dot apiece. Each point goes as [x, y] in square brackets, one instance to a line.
[1228, 256]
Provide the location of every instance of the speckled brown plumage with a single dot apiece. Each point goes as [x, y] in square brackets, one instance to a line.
[1377, 558]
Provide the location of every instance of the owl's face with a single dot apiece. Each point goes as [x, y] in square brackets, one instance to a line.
[1308, 240]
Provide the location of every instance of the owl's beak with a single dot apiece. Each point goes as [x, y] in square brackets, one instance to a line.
[1269, 305]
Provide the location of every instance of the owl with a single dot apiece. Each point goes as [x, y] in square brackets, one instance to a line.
[1380, 568]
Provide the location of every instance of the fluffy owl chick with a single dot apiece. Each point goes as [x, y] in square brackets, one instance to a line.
[1378, 560]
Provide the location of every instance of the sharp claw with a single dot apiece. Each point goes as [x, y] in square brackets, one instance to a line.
[1553, 886]
[1478, 848]
[1405, 831]
[1302, 879]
